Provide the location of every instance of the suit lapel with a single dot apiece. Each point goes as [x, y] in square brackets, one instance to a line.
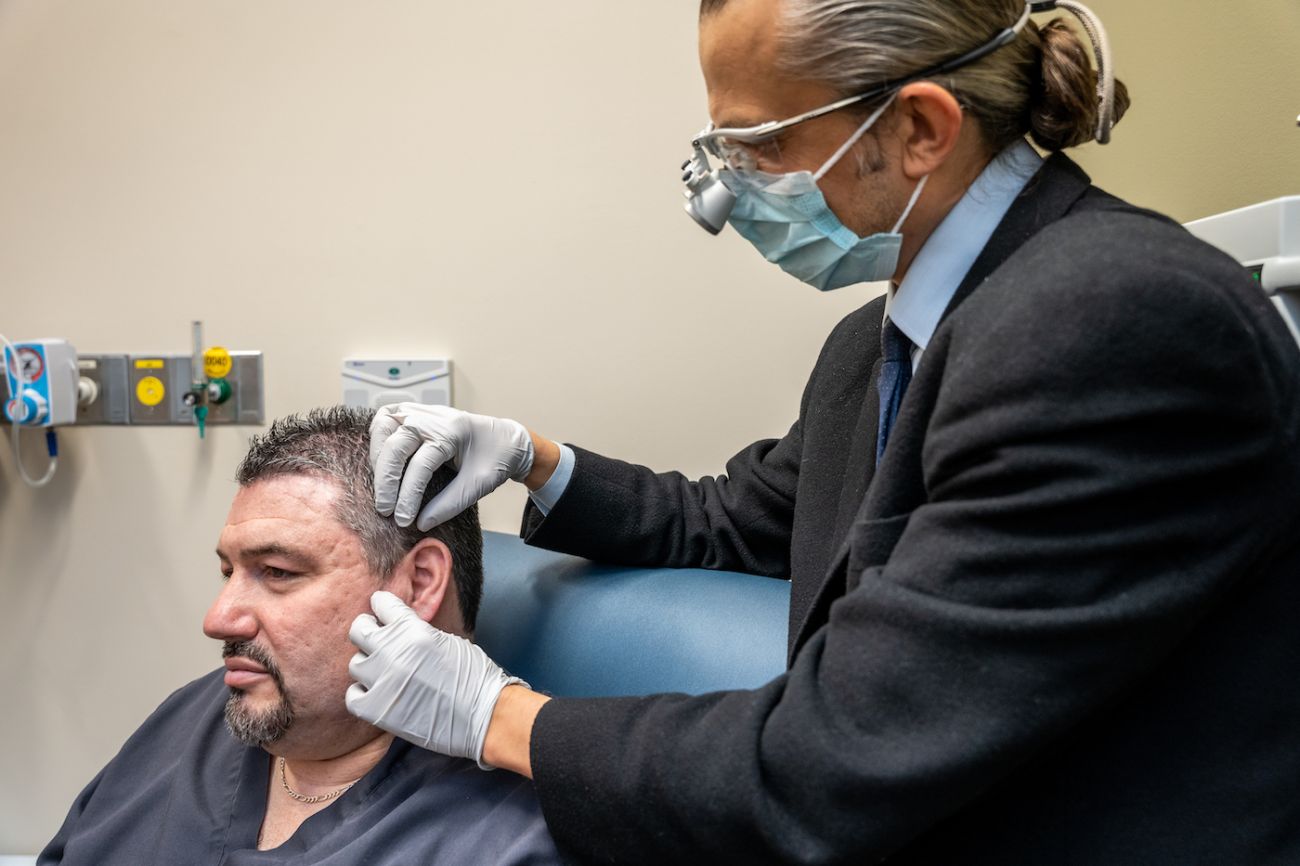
[1046, 198]
[861, 465]
[859, 468]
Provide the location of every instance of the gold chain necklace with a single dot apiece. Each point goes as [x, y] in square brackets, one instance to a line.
[303, 798]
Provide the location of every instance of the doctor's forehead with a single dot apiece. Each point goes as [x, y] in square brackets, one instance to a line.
[740, 46]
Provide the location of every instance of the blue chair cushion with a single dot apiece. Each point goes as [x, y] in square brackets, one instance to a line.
[573, 628]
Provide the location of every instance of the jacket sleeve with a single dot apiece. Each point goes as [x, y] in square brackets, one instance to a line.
[621, 513]
[1098, 476]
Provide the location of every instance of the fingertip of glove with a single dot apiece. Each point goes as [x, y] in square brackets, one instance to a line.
[434, 514]
[387, 607]
[352, 700]
[363, 626]
[381, 595]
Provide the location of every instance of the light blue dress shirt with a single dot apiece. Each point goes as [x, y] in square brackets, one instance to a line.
[917, 304]
[549, 493]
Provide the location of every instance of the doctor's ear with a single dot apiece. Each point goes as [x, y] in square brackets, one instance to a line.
[928, 121]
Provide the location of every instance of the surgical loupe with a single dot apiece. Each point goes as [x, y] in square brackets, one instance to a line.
[709, 201]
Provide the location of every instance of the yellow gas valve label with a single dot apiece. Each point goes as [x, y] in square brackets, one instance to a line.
[150, 391]
[217, 363]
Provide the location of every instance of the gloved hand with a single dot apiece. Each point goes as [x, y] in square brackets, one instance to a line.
[424, 685]
[486, 451]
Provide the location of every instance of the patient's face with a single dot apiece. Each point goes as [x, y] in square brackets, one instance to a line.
[295, 577]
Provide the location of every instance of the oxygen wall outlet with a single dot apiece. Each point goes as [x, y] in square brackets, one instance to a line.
[110, 403]
[161, 390]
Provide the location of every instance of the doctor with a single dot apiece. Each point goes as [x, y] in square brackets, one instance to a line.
[1038, 508]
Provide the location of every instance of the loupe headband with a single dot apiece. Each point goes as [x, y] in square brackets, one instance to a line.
[751, 134]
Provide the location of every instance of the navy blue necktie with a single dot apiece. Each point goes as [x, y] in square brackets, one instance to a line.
[895, 375]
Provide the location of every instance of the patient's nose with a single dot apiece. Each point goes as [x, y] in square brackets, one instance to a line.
[230, 617]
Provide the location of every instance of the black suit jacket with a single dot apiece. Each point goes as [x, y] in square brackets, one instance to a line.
[1060, 622]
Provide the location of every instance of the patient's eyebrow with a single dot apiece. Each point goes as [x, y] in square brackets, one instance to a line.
[261, 551]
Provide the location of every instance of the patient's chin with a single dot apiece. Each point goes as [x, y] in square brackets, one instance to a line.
[258, 723]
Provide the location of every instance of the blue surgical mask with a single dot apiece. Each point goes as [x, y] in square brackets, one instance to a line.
[785, 216]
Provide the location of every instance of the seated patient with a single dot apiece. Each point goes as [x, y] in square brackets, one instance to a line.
[259, 762]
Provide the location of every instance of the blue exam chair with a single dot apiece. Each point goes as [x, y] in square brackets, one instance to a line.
[577, 629]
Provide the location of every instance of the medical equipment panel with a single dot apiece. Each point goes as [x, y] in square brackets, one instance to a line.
[47, 384]
[163, 389]
[1265, 238]
[103, 390]
[153, 379]
[47, 395]
[371, 383]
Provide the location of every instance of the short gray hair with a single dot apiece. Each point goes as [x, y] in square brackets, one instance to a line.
[1042, 84]
[334, 443]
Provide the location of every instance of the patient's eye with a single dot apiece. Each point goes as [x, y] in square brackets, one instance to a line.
[277, 573]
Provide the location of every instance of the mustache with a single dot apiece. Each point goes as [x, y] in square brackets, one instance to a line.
[249, 650]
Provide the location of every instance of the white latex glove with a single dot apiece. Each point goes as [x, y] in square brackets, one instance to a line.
[424, 685]
[486, 451]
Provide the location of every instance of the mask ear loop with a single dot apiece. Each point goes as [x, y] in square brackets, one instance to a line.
[1105, 65]
[916, 196]
[857, 136]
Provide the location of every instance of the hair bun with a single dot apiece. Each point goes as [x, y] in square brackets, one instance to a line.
[1064, 109]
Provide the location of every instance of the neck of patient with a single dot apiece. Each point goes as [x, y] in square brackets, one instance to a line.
[313, 776]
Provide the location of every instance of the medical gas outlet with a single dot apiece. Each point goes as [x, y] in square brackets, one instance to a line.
[163, 391]
[208, 386]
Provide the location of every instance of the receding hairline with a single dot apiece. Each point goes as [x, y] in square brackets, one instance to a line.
[336, 484]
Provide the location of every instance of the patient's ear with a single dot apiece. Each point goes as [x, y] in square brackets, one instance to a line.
[426, 573]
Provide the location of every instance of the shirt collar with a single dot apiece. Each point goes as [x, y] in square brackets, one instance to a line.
[918, 303]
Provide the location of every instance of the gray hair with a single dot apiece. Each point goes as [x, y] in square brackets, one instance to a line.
[334, 443]
[1042, 84]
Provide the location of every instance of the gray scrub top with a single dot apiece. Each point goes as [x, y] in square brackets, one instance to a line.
[184, 791]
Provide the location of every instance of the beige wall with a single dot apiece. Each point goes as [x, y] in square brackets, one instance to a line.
[1216, 94]
[491, 181]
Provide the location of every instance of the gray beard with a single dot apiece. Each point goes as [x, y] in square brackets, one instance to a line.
[257, 728]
